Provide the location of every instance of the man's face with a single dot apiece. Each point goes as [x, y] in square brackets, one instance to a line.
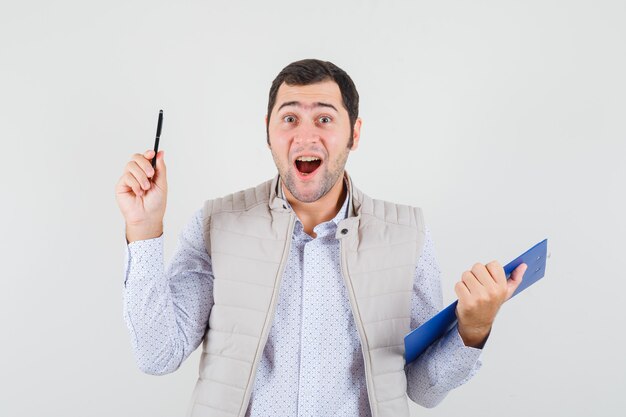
[309, 132]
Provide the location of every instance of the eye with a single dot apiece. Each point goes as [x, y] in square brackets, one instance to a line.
[325, 119]
[289, 119]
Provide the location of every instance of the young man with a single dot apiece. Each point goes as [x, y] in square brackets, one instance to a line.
[302, 288]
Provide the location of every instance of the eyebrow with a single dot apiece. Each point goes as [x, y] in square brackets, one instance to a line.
[316, 104]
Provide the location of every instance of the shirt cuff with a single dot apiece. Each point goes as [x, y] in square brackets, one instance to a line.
[142, 255]
[467, 359]
[458, 341]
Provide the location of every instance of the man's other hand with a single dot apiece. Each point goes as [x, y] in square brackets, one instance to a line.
[481, 292]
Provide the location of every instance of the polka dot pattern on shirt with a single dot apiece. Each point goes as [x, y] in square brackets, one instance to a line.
[312, 364]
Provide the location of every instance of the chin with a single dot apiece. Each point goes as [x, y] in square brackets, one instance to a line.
[304, 192]
[309, 195]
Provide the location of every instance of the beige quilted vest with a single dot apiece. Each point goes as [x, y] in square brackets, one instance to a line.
[248, 235]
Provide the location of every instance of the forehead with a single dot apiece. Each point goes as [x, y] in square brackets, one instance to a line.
[322, 92]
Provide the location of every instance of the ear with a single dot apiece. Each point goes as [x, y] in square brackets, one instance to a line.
[267, 142]
[356, 135]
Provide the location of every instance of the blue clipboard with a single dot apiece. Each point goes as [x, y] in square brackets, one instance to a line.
[418, 340]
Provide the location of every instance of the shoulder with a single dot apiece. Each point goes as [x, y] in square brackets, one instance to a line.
[387, 211]
[394, 224]
[230, 208]
[239, 201]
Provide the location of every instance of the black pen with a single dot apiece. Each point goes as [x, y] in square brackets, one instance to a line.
[158, 135]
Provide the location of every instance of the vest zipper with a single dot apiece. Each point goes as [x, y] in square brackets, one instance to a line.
[359, 325]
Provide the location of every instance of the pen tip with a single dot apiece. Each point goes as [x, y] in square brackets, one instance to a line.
[160, 111]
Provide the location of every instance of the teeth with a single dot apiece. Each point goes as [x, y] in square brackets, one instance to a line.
[308, 159]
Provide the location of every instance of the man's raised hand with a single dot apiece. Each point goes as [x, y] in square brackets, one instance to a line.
[141, 194]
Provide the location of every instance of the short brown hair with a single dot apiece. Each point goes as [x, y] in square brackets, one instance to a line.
[311, 71]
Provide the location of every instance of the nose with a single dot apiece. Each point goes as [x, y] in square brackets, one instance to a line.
[306, 133]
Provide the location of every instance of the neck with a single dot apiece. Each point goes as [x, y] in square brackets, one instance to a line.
[320, 211]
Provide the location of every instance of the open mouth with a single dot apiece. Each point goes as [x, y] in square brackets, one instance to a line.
[306, 165]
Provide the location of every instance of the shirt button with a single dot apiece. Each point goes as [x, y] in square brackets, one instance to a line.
[344, 231]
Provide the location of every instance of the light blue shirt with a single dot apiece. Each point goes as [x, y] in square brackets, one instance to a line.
[312, 364]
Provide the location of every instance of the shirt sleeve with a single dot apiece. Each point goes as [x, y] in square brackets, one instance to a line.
[166, 310]
[447, 363]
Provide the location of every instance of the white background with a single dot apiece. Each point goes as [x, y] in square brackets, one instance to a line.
[503, 120]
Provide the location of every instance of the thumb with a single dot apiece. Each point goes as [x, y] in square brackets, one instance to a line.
[160, 174]
[515, 280]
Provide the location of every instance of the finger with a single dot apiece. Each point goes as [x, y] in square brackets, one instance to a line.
[516, 279]
[139, 174]
[461, 290]
[149, 155]
[463, 294]
[131, 182]
[144, 164]
[471, 282]
[482, 275]
[497, 272]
